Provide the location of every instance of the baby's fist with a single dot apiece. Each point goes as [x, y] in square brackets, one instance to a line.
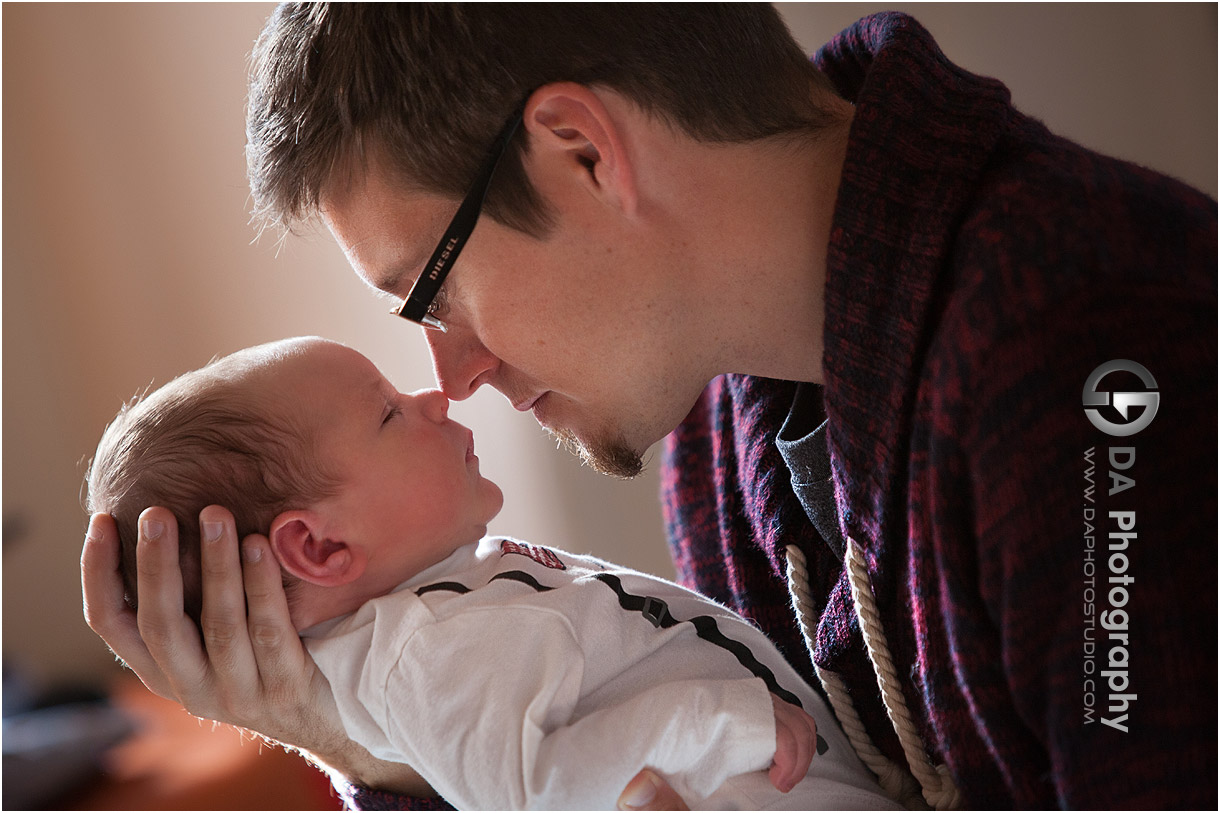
[796, 736]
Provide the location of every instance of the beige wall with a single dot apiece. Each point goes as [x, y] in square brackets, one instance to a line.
[1133, 80]
[128, 257]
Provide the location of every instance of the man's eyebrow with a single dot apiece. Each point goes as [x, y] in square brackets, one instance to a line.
[398, 277]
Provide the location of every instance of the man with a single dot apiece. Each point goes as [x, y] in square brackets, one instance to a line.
[912, 304]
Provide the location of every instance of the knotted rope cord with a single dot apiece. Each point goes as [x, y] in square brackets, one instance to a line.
[937, 786]
[897, 783]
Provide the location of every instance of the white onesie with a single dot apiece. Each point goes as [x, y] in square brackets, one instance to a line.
[512, 676]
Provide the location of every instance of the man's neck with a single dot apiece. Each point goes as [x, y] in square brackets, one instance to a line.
[764, 220]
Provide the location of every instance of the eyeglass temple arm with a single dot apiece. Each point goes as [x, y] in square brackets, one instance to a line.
[460, 227]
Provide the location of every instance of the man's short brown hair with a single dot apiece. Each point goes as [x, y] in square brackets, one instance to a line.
[429, 86]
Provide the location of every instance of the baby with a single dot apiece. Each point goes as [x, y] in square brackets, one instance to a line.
[506, 674]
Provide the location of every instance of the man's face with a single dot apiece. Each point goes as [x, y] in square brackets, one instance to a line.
[573, 327]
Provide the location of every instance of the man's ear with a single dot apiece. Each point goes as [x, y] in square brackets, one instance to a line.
[569, 123]
[306, 552]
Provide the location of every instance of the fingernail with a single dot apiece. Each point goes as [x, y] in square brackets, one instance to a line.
[253, 552]
[638, 794]
[153, 529]
[212, 531]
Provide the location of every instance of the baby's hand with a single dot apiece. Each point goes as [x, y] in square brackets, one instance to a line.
[796, 736]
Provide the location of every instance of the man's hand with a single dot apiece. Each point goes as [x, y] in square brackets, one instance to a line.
[250, 669]
[796, 735]
[650, 792]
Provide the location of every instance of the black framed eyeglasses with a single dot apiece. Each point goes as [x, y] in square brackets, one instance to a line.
[420, 304]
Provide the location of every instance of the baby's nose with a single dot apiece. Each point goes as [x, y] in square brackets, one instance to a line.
[433, 404]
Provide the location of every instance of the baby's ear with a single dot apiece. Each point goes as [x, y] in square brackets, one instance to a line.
[305, 551]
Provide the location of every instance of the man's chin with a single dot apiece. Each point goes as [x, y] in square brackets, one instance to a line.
[615, 458]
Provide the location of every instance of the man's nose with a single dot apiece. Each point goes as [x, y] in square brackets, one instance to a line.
[460, 362]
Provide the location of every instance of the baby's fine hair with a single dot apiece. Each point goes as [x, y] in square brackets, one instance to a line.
[210, 436]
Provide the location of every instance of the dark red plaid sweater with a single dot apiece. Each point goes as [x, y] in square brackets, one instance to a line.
[980, 269]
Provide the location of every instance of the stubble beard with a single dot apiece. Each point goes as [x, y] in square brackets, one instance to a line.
[614, 457]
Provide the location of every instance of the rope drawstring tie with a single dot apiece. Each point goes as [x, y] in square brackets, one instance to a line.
[929, 786]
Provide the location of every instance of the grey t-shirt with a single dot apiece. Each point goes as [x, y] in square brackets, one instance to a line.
[802, 443]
